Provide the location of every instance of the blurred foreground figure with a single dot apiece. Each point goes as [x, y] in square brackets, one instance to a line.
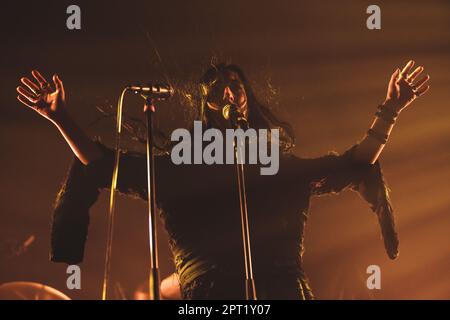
[170, 289]
[22, 290]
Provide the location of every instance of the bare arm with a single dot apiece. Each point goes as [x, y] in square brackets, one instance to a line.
[82, 146]
[402, 90]
[51, 104]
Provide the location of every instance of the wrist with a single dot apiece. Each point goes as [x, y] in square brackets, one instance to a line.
[60, 119]
[392, 105]
[387, 113]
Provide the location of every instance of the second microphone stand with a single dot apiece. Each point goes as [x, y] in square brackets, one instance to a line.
[231, 113]
[154, 289]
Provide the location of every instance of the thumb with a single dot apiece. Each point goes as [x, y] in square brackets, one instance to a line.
[396, 74]
[56, 82]
[394, 79]
[59, 85]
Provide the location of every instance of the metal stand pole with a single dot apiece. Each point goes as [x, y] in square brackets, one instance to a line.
[250, 290]
[112, 200]
[154, 290]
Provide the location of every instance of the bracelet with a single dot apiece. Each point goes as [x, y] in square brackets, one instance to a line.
[382, 138]
[386, 117]
[388, 110]
[387, 114]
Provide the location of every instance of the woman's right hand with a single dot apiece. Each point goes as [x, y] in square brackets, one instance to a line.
[51, 103]
[41, 97]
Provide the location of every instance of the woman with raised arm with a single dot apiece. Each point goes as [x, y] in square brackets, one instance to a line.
[200, 204]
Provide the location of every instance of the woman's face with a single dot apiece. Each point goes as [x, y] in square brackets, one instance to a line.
[230, 90]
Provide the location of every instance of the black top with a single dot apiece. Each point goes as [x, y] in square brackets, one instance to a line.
[200, 208]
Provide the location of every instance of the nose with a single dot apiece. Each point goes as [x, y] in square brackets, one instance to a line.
[228, 95]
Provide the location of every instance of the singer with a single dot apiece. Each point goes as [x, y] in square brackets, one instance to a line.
[199, 204]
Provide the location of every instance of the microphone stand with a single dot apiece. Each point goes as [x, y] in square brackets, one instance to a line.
[149, 109]
[154, 290]
[155, 92]
[239, 122]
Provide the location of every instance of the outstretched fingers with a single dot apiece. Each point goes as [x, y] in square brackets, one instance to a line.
[406, 69]
[31, 97]
[30, 85]
[422, 90]
[421, 86]
[26, 102]
[414, 74]
[42, 81]
[422, 81]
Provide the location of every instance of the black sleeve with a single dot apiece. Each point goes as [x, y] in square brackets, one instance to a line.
[334, 173]
[80, 191]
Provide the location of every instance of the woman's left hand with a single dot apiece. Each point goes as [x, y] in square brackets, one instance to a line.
[403, 89]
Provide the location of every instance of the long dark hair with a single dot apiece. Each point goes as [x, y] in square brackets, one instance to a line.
[259, 116]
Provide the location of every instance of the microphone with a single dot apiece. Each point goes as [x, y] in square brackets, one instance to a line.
[156, 91]
[230, 112]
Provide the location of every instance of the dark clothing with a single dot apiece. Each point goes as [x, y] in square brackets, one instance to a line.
[200, 208]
